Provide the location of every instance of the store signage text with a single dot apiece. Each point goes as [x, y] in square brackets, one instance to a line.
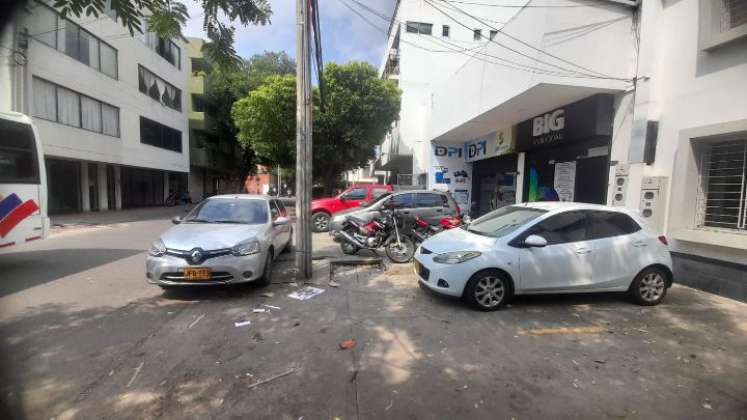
[451, 151]
[476, 150]
[554, 121]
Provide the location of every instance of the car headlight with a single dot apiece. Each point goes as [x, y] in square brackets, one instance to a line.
[246, 248]
[157, 248]
[456, 257]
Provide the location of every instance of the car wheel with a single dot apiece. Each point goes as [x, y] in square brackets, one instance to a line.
[487, 290]
[649, 287]
[266, 278]
[348, 248]
[320, 222]
[288, 244]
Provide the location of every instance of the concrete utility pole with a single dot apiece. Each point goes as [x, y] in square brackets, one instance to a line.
[303, 140]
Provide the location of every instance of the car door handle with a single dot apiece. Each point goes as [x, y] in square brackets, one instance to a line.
[439, 210]
[582, 251]
[639, 244]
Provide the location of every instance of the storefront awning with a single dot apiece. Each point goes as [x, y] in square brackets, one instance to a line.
[534, 101]
[398, 163]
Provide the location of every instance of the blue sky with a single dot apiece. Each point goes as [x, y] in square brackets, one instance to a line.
[345, 36]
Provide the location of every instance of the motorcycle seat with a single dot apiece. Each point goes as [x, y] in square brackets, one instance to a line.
[358, 220]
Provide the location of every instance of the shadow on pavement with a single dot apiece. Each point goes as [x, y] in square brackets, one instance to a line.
[23, 270]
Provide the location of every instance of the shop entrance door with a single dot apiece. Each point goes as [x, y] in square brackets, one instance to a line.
[591, 180]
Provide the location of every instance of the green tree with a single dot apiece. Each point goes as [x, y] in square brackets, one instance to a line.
[359, 109]
[224, 86]
[266, 121]
[166, 18]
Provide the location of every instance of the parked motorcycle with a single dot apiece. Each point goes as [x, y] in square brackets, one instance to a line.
[380, 232]
[422, 230]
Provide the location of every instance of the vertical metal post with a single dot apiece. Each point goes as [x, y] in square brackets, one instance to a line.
[303, 141]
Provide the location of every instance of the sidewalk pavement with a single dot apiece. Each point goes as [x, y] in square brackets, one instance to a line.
[95, 218]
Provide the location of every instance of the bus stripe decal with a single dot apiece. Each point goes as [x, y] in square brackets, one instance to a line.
[16, 216]
[8, 204]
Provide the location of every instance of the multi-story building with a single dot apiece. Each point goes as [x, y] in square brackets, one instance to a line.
[216, 164]
[108, 107]
[640, 104]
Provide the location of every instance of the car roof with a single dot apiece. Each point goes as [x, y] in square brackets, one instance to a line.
[15, 116]
[556, 206]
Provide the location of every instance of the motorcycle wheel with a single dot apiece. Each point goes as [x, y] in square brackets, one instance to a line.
[400, 253]
[348, 248]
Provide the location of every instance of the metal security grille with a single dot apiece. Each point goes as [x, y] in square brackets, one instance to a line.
[722, 199]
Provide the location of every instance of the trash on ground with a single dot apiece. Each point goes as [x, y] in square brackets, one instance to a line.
[333, 283]
[259, 310]
[272, 378]
[347, 344]
[306, 293]
[196, 321]
[270, 306]
[242, 323]
[134, 375]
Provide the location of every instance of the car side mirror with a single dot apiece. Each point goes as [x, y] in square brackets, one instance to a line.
[535, 241]
[281, 221]
[176, 220]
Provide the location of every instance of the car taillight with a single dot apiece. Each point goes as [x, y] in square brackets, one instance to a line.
[663, 239]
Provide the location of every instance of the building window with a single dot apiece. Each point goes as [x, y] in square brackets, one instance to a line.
[419, 28]
[445, 31]
[56, 103]
[198, 103]
[721, 22]
[159, 89]
[477, 34]
[159, 135]
[722, 196]
[65, 36]
[493, 33]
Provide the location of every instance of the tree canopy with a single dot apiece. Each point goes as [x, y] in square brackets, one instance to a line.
[166, 18]
[359, 110]
[263, 120]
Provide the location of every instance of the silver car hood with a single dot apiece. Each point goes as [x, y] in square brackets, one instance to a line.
[208, 236]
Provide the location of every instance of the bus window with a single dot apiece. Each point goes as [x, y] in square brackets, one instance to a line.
[18, 160]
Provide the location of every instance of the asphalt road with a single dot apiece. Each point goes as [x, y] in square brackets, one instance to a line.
[83, 336]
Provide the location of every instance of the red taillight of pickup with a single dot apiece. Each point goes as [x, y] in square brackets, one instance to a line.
[663, 240]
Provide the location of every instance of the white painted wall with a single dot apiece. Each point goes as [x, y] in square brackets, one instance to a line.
[691, 93]
[69, 142]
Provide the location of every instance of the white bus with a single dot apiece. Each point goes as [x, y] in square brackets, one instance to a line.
[23, 182]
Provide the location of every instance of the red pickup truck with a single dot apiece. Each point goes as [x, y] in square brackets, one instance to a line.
[323, 208]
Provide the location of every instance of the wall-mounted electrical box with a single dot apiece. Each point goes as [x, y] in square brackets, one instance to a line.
[653, 200]
[620, 185]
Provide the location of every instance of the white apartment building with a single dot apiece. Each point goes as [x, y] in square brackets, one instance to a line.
[630, 103]
[108, 107]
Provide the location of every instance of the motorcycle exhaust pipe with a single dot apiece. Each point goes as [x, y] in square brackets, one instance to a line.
[352, 240]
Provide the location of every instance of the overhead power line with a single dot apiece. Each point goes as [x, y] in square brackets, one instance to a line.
[502, 32]
[519, 6]
[454, 48]
[596, 76]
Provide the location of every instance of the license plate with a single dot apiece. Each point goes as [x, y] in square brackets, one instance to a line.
[197, 273]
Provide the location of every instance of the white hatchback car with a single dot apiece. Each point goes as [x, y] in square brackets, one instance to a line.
[547, 247]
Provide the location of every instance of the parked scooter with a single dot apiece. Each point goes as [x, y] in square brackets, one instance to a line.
[380, 232]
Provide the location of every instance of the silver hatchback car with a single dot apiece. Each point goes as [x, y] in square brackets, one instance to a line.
[225, 239]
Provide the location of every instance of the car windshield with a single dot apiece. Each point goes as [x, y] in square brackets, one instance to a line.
[229, 210]
[384, 197]
[503, 221]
